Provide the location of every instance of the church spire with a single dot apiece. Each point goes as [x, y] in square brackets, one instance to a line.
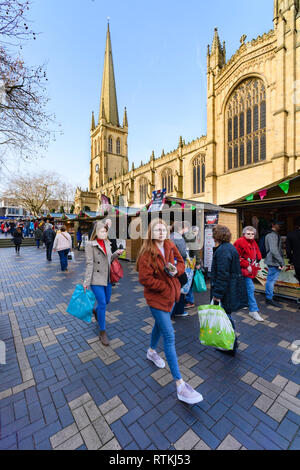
[108, 100]
[125, 120]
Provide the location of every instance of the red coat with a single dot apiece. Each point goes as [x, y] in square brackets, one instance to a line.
[160, 290]
[250, 255]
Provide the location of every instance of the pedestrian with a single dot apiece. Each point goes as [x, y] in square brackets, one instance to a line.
[274, 260]
[31, 228]
[228, 286]
[48, 239]
[293, 248]
[38, 235]
[97, 274]
[191, 238]
[79, 238]
[63, 244]
[250, 257]
[159, 276]
[177, 231]
[17, 239]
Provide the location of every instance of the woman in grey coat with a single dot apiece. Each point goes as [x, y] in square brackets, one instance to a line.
[97, 275]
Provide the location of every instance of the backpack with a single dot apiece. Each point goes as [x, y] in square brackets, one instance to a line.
[116, 271]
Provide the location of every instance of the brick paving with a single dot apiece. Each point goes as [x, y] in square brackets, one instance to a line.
[61, 389]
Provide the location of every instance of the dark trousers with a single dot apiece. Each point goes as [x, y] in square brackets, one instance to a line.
[179, 306]
[49, 247]
[37, 243]
[63, 255]
[233, 326]
[17, 247]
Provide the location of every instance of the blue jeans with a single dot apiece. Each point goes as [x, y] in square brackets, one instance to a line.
[163, 326]
[102, 294]
[63, 255]
[250, 291]
[190, 295]
[273, 274]
[38, 243]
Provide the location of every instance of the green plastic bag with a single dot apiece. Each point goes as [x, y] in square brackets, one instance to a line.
[199, 282]
[215, 327]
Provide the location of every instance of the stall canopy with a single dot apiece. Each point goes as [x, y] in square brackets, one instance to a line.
[282, 193]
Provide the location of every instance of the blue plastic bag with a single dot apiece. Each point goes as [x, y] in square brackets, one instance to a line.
[186, 288]
[199, 282]
[81, 304]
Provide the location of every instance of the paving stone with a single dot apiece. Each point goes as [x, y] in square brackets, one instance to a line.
[188, 441]
[92, 410]
[201, 446]
[63, 435]
[263, 403]
[112, 445]
[280, 381]
[229, 443]
[277, 412]
[91, 438]
[80, 401]
[71, 444]
[116, 413]
[103, 430]
[249, 378]
[292, 388]
[110, 405]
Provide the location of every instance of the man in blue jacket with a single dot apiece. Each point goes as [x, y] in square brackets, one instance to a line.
[274, 260]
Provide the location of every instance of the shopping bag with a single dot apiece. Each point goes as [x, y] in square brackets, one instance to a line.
[190, 274]
[199, 282]
[215, 327]
[81, 304]
[71, 256]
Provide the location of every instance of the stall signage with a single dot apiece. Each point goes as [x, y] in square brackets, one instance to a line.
[158, 200]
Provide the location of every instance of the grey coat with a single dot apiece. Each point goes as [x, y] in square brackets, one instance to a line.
[274, 250]
[98, 263]
[180, 244]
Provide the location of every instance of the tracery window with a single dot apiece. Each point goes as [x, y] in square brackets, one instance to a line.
[167, 180]
[109, 145]
[246, 124]
[143, 188]
[199, 174]
[118, 147]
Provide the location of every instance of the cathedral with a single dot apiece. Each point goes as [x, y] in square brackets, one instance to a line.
[253, 127]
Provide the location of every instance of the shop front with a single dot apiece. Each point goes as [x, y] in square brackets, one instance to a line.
[280, 201]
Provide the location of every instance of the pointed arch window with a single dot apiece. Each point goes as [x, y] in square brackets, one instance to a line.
[167, 180]
[246, 124]
[143, 190]
[110, 145]
[199, 174]
[118, 146]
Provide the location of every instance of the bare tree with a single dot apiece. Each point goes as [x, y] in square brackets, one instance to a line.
[33, 192]
[24, 123]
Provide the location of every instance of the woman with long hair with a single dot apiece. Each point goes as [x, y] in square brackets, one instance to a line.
[18, 238]
[97, 274]
[159, 264]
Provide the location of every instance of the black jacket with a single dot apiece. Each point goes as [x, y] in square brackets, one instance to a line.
[48, 236]
[293, 247]
[17, 237]
[227, 282]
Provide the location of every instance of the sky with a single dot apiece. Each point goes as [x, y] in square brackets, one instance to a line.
[159, 52]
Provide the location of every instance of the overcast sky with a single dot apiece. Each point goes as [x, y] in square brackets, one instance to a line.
[159, 52]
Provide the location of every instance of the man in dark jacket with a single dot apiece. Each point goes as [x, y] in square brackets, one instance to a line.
[293, 248]
[48, 239]
[274, 260]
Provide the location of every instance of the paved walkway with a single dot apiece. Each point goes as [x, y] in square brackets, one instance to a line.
[61, 389]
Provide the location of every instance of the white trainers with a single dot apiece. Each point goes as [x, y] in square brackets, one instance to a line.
[154, 357]
[256, 316]
[187, 394]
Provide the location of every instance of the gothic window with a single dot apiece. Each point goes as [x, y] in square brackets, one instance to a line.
[118, 147]
[143, 188]
[109, 145]
[167, 180]
[199, 174]
[246, 124]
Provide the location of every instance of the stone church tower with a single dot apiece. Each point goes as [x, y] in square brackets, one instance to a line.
[109, 154]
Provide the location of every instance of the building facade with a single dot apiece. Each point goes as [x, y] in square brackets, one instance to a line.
[253, 126]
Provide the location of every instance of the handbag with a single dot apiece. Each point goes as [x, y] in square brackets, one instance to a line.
[189, 272]
[116, 271]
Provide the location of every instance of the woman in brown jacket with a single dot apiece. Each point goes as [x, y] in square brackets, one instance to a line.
[159, 264]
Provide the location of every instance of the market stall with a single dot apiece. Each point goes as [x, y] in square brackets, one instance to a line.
[281, 201]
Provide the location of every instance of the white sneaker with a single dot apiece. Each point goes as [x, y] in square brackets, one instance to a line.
[154, 357]
[187, 394]
[256, 316]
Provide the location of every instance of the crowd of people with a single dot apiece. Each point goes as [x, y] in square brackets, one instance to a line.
[161, 266]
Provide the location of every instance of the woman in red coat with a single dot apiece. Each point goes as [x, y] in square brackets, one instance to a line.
[250, 257]
[159, 264]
